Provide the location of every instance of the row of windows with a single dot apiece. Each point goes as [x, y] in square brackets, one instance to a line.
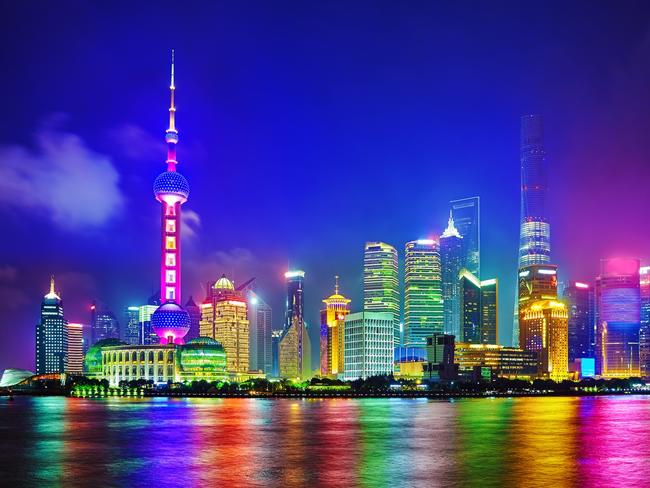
[133, 356]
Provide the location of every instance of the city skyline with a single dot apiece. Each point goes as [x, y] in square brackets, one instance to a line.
[121, 275]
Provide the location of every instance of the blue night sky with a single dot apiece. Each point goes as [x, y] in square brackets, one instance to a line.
[307, 128]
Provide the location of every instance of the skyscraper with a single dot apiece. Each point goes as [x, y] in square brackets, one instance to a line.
[490, 311]
[260, 317]
[132, 325]
[103, 323]
[466, 214]
[619, 318]
[51, 335]
[292, 343]
[451, 262]
[332, 337]
[170, 321]
[194, 312]
[478, 309]
[74, 354]
[644, 331]
[545, 330]
[535, 230]
[579, 298]
[381, 282]
[224, 317]
[368, 344]
[422, 292]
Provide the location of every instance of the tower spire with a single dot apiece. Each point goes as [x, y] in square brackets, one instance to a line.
[336, 285]
[171, 135]
[52, 285]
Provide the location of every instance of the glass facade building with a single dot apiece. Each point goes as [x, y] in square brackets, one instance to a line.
[381, 282]
[451, 263]
[51, 335]
[103, 323]
[132, 325]
[644, 331]
[259, 340]
[579, 298]
[292, 344]
[423, 313]
[479, 311]
[466, 217]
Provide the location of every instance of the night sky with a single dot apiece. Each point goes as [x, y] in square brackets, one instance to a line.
[307, 128]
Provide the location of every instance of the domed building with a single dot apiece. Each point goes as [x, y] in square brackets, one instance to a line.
[202, 358]
[93, 358]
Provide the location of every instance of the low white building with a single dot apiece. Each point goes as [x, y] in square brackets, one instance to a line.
[368, 345]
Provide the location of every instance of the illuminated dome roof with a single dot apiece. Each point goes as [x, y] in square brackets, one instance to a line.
[170, 320]
[202, 355]
[11, 377]
[93, 358]
[171, 183]
[223, 283]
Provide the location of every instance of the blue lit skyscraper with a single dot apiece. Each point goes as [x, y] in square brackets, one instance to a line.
[466, 214]
[451, 262]
[579, 298]
[51, 335]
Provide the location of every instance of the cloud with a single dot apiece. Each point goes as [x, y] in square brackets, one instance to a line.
[190, 224]
[138, 144]
[8, 273]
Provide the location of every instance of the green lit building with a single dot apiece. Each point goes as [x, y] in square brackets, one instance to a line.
[381, 283]
[423, 307]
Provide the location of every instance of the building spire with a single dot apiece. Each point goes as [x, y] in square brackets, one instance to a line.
[451, 229]
[336, 285]
[52, 285]
[171, 135]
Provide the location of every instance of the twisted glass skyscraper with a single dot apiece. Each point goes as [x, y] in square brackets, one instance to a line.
[535, 230]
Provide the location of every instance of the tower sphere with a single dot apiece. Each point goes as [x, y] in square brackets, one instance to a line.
[170, 322]
[171, 187]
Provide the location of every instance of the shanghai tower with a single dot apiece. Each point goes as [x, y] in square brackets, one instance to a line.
[535, 230]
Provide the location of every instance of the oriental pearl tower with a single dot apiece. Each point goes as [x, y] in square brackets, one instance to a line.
[170, 321]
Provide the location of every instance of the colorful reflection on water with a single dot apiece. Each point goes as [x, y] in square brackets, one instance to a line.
[54, 441]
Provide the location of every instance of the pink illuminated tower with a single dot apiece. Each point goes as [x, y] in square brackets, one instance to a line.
[170, 321]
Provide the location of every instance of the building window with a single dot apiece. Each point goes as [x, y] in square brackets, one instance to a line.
[160, 356]
[170, 210]
[170, 242]
[171, 293]
[170, 276]
[170, 259]
[170, 225]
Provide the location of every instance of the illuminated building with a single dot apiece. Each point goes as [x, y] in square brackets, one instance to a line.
[535, 229]
[13, 376]
[332, 344]
[147, 335]
[201, 358]
[103, 323]
[544, 329]
[260, 330]
[194, 311]
[294, 347]
[501, 361]
[478, 309]
[276, 335]
[132, 326]
[466, 213]
[489, 311]
[422, 292]
[369, 339]
[579, 298]
[440, 358]
[451, 262]
[381, 283]
[51, 335]
[75, 353]
[170, 321]
[537, 282]
[93, 366]
[224, 317]
[644, 330]
[618, 323]
[409, 362]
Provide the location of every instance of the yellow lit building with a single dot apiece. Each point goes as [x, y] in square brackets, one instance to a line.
[544, 329]
[224, 317]
[332, 333]
[502, 361]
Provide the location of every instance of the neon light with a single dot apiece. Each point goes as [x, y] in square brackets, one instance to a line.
[134, 309]
[490, 282]
[294, 274]
[425, 242]
[547, 271]
[523, 274]
[581, 285]
[237, 303]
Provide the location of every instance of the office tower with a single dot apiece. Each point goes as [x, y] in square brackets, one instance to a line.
[369, 340]
[132, 325]
[194, 312]
[291, 347]
[332, 337]
[451, 263]
[51, 335]
[147, 335]
[260, 331]
[489, 311]
[644, 331]
[535, 230]
[170, 321]
[224, 317]
[537, 282]
[75, 354]
[103, 323]
[579, 298]
[381, 283]
[440, 357]
[470, 307]
[422, 292]
[618, 300]
[276, 335]
[466, 217]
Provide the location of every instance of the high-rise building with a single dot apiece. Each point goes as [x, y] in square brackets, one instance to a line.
[619, 318]
[478, 309]
[466, 214]
[170, 321]
[194, 311]
[369, 339]
[535, 229]
[132, 325]
[422, 292]
[490, 311]
[103, 323]
[381, 283]
[292, 343]
[644, 331]
[332, 337]
[75, 354]
[451, 263]
[537, 282]
[579, 298]
[147, 335]
[51, 334]
[224, 317]
[260, 335]
[276, 335]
